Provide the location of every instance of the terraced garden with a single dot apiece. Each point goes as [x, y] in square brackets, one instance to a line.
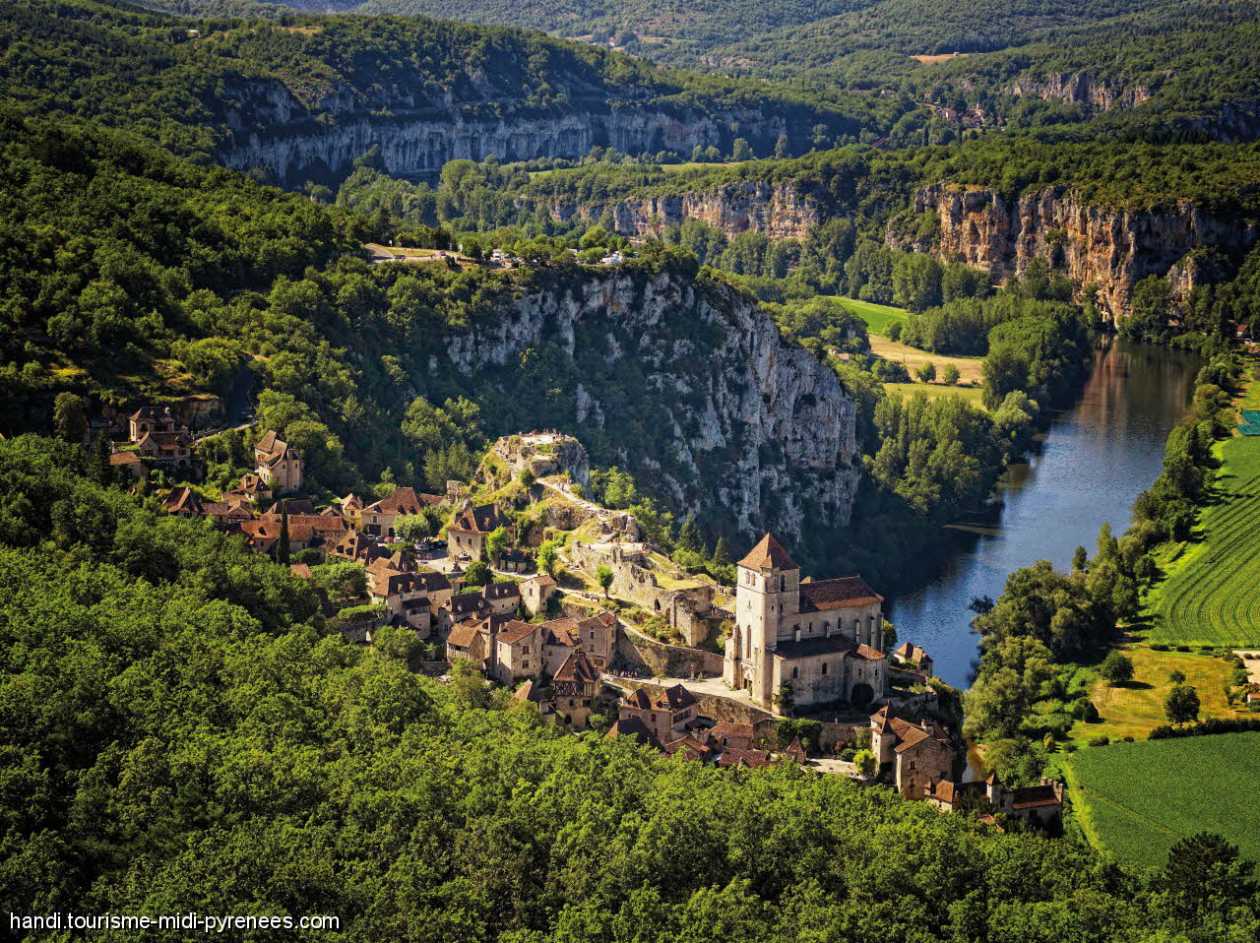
[1134, 800]
[1212, 591]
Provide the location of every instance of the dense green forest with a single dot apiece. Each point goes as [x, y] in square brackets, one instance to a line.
[180, 734]
[196, 84]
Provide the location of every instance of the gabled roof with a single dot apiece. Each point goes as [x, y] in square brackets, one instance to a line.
[842, 593]
[638, 700]
[753, 759]
[467, 603]
[768, 554]
[631, 727]
[462, 635]
[516, 631]
[402, 501]
[477, 520]
[676, 698]
[501, 591]
[576, 669]
[690, 747]
[271, 443]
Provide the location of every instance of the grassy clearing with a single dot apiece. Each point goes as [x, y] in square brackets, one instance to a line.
[970, 369]
[877, 317]
[971, 394]
[1136, 800]
[1211, 590]
[1137, 708]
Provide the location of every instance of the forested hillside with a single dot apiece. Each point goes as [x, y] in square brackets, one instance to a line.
[179, 734]
[308, 95]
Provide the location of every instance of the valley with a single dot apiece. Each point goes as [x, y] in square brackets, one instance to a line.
[534, 473]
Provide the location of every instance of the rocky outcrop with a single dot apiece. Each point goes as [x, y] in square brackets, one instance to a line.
[1080, 88]
[778, 210]
[271, 129]
[1106, 248]
[749, 432]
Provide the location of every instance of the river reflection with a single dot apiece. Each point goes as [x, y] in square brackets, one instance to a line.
[1088, 468]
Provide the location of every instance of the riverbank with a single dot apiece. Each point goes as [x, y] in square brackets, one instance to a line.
[1086, 469]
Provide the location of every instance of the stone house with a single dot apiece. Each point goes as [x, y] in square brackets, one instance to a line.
[535, 592]
[667, 715]
[517, 652]
[378, 518]
[468, 642]
[278, 464]
[466, 534]
[502, 598]
[911, 656]
[574, 686]
[160, 441]
[921, 754]
[821, 640]
[1040, 805]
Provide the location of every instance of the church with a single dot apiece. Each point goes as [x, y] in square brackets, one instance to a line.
[821, 640]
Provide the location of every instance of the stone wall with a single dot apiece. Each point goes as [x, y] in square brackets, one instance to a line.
[638, 652]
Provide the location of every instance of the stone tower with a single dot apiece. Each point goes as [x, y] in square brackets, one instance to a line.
[768, 589]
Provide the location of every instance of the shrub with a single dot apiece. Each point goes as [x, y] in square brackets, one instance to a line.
[1101, 741]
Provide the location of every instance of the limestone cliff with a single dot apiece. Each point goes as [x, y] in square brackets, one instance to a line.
[688, 384]
[1080, 88]
[1095, 245]
[781, 210]
[271, 128]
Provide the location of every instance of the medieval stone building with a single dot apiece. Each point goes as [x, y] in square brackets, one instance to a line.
[816, 642]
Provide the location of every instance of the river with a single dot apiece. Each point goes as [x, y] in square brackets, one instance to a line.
[1088, 468]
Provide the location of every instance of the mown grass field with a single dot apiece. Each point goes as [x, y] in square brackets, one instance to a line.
[877, 317]
[1136, 708]
[972, 394]
[1211, 590]
[1135, 800]
[970, 369]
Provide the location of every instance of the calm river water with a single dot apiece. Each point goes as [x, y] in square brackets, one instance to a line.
[1093, 462]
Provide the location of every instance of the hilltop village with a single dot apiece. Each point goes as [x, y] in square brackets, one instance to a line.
[561, 605]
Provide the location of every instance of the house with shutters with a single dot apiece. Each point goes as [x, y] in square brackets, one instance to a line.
[817, 641]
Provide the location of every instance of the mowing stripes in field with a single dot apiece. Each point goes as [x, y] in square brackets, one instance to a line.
[1141, 798]
[1215, 597]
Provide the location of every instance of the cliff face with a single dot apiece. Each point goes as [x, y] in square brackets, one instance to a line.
[1080, 88]
[271, 129]
[740, 427]
[1094, 245]
[779, 210]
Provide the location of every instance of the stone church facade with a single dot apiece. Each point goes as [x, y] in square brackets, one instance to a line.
[823, 640]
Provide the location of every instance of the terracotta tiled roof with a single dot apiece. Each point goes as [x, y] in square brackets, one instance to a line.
[542, 579]
[402, 501]
[768, 553]
[870, 654]
[183, 499]
[753, 759]
[577, 669]
[124, 458]
[300, 570]
[842, 593]
[690, 747]
[515, 631]
[462, 635]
